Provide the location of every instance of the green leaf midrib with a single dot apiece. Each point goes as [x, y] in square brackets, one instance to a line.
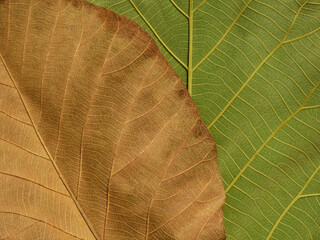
[192, 10]
[189, 67]
[190, 52]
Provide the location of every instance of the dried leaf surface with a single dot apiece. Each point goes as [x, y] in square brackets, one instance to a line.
[99, 138]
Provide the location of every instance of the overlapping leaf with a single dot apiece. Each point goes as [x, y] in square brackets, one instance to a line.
[98, 136]
[253, 70]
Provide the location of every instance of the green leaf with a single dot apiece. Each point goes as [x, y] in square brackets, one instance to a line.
[252, 67]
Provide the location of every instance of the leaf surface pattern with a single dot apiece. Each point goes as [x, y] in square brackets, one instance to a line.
[99, 138]
[252, 67]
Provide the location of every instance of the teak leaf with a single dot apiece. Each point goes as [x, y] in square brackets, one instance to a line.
[253, 69]
[99, 138]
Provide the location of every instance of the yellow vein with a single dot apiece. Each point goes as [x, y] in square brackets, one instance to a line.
[242, 87]
[303, 36]
[200, 5]
[179, 9]
[223, 37]
[247, 215]
[270, 137]
[314, 3]
[249, 207]
[257, 69]
[310, 195]
[49, 155]
[238, 226]
[291, 203]
[229, 236]
[116, 4]
[281, 170]
[190, 71]
[306, 213]
[311, 107]
[157, 35]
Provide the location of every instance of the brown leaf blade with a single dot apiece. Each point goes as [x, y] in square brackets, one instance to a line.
[99, 138]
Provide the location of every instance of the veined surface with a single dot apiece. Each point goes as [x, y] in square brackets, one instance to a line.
[98, 136]
[252, 67]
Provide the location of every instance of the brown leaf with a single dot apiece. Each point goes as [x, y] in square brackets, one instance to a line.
[99, 137]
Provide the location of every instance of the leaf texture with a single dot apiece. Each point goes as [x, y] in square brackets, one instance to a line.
[252, 67]
[99, 139]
